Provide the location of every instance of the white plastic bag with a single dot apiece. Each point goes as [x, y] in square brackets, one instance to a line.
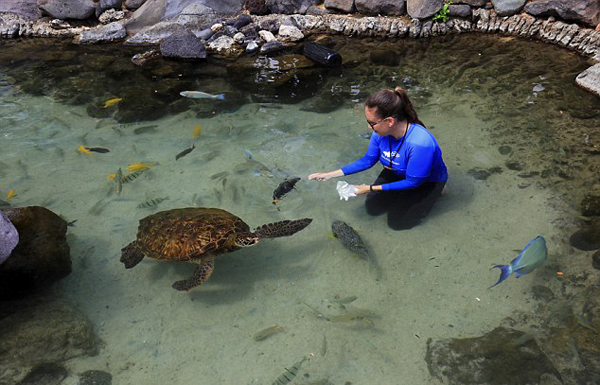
[346, 190]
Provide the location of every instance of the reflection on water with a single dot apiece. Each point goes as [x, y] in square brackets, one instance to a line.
[498, 104]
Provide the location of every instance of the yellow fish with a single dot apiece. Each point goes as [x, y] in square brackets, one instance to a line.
[140, 166]
[84, 150]
[197, 131]
[111, 102]
[10, 194]
[112, 176]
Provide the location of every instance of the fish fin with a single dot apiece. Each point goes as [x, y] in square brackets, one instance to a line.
[221, 96]
[506, 272]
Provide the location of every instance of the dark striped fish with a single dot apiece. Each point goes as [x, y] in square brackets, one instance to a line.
[290, 373]
[118, 182]
[131, 176]
[101, 150]
[284, 187]
[151, 203]
[185, 152]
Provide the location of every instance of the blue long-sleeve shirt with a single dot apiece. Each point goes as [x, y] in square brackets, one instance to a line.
[417, 157]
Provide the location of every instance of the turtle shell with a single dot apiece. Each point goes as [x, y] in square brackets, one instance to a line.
[188, 233]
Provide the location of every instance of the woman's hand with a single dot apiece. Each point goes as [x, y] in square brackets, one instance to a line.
[323, 176]
[362, 189]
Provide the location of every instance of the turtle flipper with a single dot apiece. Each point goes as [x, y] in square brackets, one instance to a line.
[201, 275]
[131, 255]
[281, 228]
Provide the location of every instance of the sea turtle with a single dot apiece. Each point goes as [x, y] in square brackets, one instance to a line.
[197, 234]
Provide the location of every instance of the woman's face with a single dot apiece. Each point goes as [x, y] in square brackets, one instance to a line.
[381, 126]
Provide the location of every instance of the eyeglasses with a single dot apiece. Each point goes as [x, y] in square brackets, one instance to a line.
[373, 124]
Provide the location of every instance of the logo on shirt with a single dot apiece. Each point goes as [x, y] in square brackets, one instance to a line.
[391, 155]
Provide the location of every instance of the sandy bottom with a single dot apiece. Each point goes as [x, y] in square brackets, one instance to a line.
[434, 281]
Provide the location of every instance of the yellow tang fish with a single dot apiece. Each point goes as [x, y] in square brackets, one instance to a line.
[10, 194]
[197, 131]
[140, 166]
[111, 102]
[84, 150]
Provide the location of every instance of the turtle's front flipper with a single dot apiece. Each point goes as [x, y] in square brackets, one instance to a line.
[201, 275]
[131, 255]
[282, 228]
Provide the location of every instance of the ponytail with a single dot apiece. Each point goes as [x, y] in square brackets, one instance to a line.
[394, 103]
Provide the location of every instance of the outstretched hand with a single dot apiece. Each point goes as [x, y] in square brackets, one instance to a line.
[362, 189]
[320, 176]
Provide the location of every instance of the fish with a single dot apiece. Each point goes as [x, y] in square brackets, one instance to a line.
[101, 150]
[185, 152]
[284, 187]
[219, 175]
[140, 166]
[10, 194]
[83, 150]
[127, 177]
[261, 170]
[145, 129]
[291, 373]
[118, 182]
[352, 241]
[151, 203]
[201, 95]
[268, 332]
[197, 131]
[532, 256]
[111, 102]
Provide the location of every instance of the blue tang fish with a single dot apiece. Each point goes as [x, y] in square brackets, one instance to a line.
[532, 256]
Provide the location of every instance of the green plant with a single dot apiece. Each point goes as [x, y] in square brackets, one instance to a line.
[442, 14]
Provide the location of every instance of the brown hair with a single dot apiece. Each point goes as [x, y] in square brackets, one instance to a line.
[393, 103]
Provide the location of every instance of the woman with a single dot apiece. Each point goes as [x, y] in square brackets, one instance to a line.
[413, 174]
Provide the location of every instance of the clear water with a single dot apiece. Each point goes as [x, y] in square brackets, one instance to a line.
[474, 92]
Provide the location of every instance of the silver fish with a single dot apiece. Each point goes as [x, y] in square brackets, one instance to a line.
[118, 182]
[151, 203]
[201, 95]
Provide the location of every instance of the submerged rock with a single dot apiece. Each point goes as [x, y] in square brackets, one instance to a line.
[38, 332]
[476, 361]
[45, 374]
[42, 255]
[95, 377]
[588, 237]
[590, 204]
[9, 237]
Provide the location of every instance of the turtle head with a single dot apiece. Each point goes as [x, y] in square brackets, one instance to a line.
[246, 239]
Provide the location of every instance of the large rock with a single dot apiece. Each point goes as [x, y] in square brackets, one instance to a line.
[26, 8]
[582, 11]
[103, 34]
[42, 255]
[346, 6]
[590, 79]
[289, 7]
[501, 357]
[68, 9]
[183, 45]
[225, 46]
[290, 33]
[380, 7]
[42, 332]
[508, 7]
[422, 9]
[9, 237]
[105, 5]
[133, 4]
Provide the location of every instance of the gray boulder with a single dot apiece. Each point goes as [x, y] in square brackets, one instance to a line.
[590, 79]
[68, 9]
[183, 45]
[346, 6]
[105, 34]
[381, 7]
[9, 237]
[582, 11]
[104, 5]
[508, 7]
[26, 8]
[472, 3]
[289, 7]
[459, 10]
[271, 47]
[134, 4]
[422, 9]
